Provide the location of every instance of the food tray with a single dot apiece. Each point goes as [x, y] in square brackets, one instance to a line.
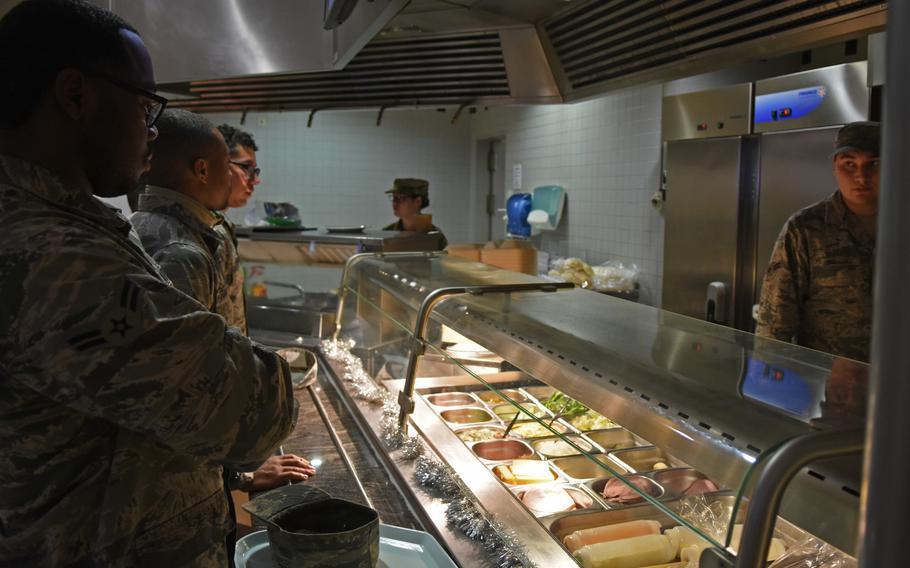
[597, 486]
[562, 525]
[581, 469]
[614, 439]
[463, 416]
[557, 476]
[503, 450]
[541, 393]
[521, 425]
[450, 399]
[506, 412]
[463, 431]
[398, 548]
[582, 492]
[677, 480]
[539, 445]
[351, 229]
[640, 460]
[493, 398]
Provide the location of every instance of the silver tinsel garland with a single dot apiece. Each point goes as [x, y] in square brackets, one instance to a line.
[362, 384]
[501, 545]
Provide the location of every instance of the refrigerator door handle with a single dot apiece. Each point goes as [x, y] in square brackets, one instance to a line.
[716, 303]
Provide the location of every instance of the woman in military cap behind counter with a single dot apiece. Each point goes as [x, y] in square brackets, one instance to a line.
[409, 197]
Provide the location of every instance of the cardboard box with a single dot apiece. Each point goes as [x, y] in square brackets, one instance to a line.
[515, 255]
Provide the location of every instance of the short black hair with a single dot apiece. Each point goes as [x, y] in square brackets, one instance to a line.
[235, 137]
[40, 38]
[183, 136]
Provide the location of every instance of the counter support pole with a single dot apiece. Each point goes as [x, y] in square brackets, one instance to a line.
[406, 396]
[782, 466]
[885, 490]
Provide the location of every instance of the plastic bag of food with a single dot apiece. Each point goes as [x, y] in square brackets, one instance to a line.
[615, 276]
[573, 270]
[813, 553]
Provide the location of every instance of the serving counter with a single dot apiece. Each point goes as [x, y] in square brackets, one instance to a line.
[544, 411]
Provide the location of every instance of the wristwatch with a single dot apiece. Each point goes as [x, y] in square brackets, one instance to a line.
[241, 481]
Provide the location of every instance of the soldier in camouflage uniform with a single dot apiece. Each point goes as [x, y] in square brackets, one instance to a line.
[242, 149]
[244, 179]
[178, 228]
[817, 290]
[410, 196]
[188, 180]
[120, 396]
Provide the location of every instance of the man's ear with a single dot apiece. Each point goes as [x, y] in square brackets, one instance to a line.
[73, 94]
[201, 169]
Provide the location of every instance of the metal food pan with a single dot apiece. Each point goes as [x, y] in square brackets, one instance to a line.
[452, 399]
[519, 428]
[677, 480]
[639, 460]
[493, 398]
[597, 486]
[582, 428]
[580, 494]
[509, 411]
[581, 468]
[473, 415]
[502, 450]
[564, 524]
[614, 439]
[540, 443]
[495, 427]
[557, 477]
[541, 392]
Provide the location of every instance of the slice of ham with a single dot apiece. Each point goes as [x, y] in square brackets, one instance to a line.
[615, 491]
[548, 500]
[701, 486]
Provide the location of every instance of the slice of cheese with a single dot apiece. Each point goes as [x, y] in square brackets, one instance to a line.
[531, 470]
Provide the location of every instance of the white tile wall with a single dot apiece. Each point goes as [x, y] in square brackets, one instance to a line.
[605, 152]
[336, 171]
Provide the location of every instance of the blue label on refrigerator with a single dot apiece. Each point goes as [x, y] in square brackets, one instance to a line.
[788, 105]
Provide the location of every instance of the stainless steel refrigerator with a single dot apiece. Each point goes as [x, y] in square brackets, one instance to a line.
[738, 163]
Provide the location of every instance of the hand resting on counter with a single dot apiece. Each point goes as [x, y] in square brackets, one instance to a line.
[279, 470]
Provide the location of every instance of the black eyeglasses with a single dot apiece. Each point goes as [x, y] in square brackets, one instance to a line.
[397, 198]
[152, 111]
[249, 169]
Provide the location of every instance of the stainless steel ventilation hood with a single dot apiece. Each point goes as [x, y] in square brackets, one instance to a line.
[273, 54]
[214, 39]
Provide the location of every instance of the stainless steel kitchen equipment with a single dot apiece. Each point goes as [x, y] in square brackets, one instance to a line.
[613, 357]
[315, 257]
[728, 197]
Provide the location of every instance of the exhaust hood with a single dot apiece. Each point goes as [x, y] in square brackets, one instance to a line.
[201, 40]
[274, 54]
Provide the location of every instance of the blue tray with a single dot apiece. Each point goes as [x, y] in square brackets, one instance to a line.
[398, 548]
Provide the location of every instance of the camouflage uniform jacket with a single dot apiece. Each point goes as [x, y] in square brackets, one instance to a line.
[399, 226]
[232, 275]
[179, 234]
[817, 290]
[120, 396]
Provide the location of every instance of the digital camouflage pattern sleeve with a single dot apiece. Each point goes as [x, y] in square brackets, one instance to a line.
[817, 291]
[120, 396]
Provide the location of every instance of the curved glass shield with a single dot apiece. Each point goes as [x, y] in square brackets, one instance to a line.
[600, 416]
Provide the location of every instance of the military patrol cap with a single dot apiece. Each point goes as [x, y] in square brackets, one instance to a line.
[858, 137]
[307, 527]
[411, 187]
